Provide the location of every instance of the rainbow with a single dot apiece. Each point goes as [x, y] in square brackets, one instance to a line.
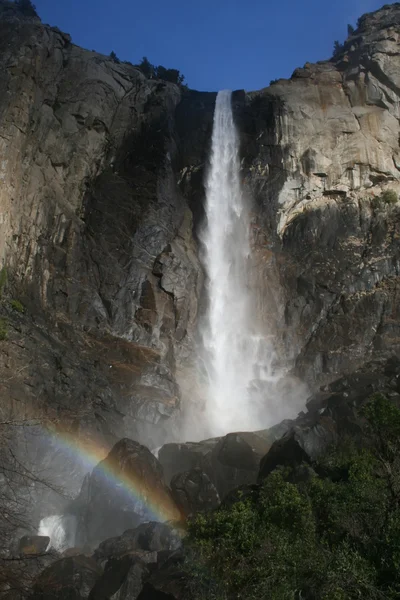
[157, 503]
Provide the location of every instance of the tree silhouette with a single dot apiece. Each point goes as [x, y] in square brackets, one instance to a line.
[27, 8]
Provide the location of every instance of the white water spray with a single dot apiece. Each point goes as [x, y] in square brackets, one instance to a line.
[238, 360]
[61, 529]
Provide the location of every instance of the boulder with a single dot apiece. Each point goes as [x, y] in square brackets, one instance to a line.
[178, 458]
[147, 538]
[333, 412]
[124, 489]
[228, 461]
[168, 583]
[67, 579]
[122, 579]
[194, 492]
[33, 544]
[306, 442]
[235, 460]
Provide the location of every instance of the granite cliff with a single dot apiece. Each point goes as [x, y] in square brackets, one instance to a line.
[101, 199]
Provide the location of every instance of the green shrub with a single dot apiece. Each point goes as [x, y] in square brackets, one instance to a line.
[16, 305]
[3, 329]
[326, 537]
[389, 197]
[3, 280]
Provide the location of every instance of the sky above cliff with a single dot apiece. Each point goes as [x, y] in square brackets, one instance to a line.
[216, 44]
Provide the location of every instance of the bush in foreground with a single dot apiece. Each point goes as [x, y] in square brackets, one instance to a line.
[330, 537]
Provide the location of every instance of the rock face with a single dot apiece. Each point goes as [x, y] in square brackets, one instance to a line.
[101, 196]
[327, 147]
[226, 463]
[123, 490]
[334, 414]
[96, 240]
[194, 492]
[318, 152]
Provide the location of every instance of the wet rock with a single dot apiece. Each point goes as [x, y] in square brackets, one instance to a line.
[177, 458]
[33, 544]
[124, 489]
[194, 492]
[67, 579]
[334, 412]
[148, 537]
[235, 460]
[306, 442]
[168, 583]
[122, 579]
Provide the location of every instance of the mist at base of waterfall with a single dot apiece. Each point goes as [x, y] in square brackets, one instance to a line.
[61, 529]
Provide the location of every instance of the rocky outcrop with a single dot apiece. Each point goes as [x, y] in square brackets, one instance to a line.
[335, 413]
[227, 462]
[67, 579]
[122, 491]
[194, 492]
[122, 579]
[149, 538]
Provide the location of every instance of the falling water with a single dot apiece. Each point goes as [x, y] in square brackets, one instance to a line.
[61, 530]
[238, 361]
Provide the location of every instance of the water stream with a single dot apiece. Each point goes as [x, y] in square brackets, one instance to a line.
[238, 358]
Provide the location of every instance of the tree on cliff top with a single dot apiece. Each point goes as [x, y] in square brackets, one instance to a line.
[160, 72]
[27, 7]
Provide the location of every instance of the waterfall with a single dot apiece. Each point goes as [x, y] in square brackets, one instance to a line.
[238, 359]
[61, 530]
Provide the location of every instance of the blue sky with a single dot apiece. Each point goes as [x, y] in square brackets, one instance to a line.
[217, 44]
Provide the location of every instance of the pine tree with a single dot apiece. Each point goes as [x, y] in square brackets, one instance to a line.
[350, 30]
[114, 57]
[146, 67]
[337, 47]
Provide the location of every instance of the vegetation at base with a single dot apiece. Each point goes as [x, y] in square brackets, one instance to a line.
[3, 330]
[17, 306]
[332, 535]
[26, 7]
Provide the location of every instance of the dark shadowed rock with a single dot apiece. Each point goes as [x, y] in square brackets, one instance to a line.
[167, 584]
[334, 412]
[122, 490]
[67, 579]
[235, 460]
[148, 537]
[194, 492]
[177, 458]
[123, 577]
[304, 443]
